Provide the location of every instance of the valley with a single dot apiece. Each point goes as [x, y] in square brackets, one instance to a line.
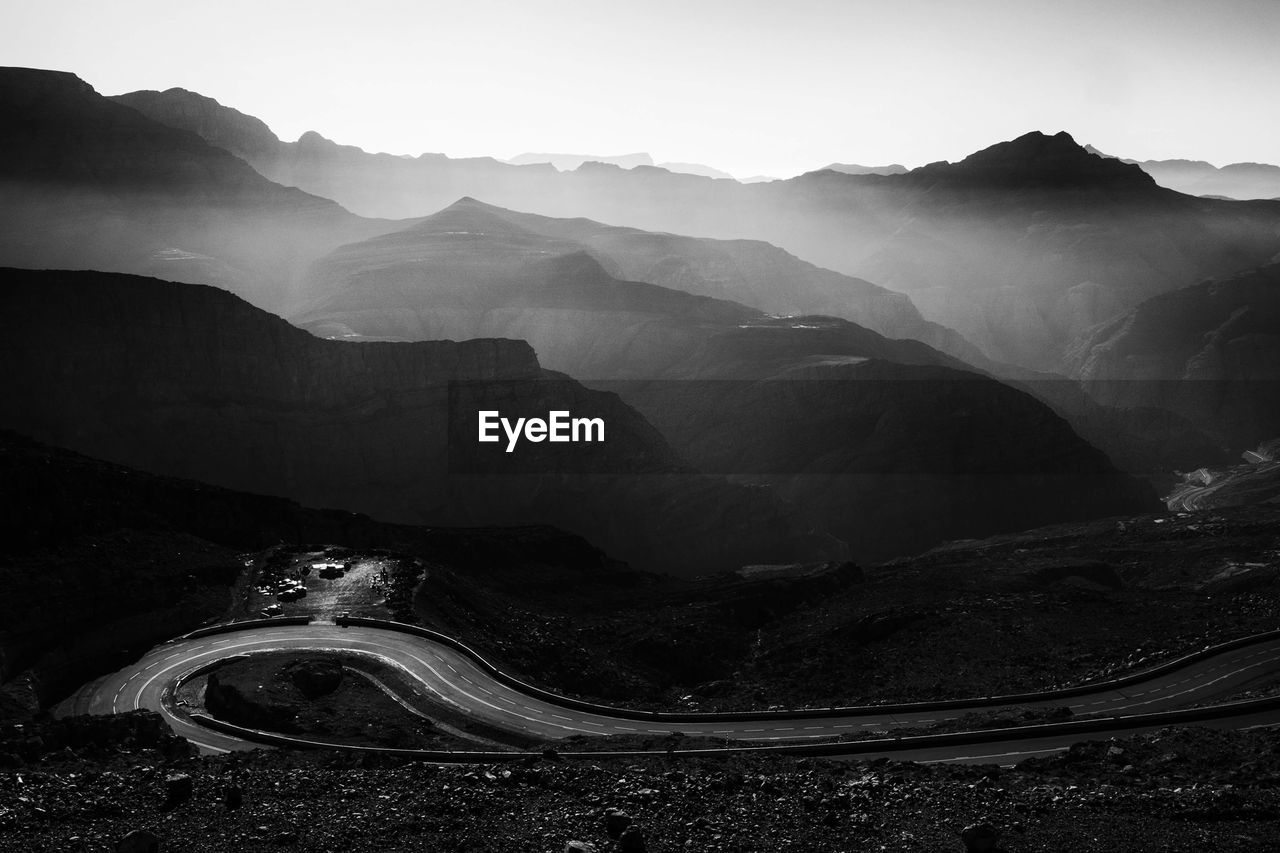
[358, 496]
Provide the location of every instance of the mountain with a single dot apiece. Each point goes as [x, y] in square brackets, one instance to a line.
[884, 454]
[618, 329]
[448, 283]
[893, 444]
[696, 169]
[855, 169]
[469, 272]
[243, 135]
[1024, 245]
[129, 559]
[1197, 177]
[749, 272]
[190, 381]
[89, 183]
[569, 162]
[1254, 479]
[1209, 352]
[474, 270]
[1020, 247]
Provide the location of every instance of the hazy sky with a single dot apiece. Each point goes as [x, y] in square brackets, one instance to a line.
[747, 86]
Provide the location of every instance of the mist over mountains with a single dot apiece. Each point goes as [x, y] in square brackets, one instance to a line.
[86, 183]
[892, 503]
[190, 381]
[1209, 352]
[1197, 177]
[943, 286]
[1103, 236]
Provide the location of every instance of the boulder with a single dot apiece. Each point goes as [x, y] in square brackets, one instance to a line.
[139, 841]
[632, 841]
[616, 822]
[980, 838]
[178, 788]
[232, 796]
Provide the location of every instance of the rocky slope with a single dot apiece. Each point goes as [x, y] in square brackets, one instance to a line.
[1006, 614]
[893, 457]
[1019, 247]
[1253, 479]
[103, 561]
[1209, 352]
[88, 183]
[1170, 790]
[191, 381]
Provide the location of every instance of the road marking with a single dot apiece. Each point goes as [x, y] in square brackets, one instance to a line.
[208, 746]
[996, 755]
[152, 667]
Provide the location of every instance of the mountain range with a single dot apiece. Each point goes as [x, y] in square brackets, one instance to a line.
[569, 162]
[1209, 352]
[1197, 177]
[463, 251]
[190, 381]
[87, 183]
[1020, 247]
[658, 317]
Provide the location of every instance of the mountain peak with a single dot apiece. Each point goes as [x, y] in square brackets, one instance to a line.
[243, 135]
[26, 86]
[468, 216]
[1040, 160]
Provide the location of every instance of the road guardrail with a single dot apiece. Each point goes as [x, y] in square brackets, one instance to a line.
[803, 713]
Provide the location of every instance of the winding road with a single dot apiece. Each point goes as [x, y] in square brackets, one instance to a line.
[1191, 497]
[452, 677]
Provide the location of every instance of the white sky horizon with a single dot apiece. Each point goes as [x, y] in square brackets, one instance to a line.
[747, 87]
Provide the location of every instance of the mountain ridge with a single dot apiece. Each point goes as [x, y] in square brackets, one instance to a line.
[1019, 247]
[191, 381]
[90, 183]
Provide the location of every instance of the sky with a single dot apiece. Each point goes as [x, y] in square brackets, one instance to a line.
[750, 87]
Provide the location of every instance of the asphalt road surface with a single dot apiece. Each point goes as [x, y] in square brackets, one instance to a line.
[450, 677]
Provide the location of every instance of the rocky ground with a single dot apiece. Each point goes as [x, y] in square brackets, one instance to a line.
[340, 698]
[1178, 790]
[1012, 613]
[132, 560]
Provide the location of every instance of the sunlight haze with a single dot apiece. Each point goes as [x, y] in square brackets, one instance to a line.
[748, 87]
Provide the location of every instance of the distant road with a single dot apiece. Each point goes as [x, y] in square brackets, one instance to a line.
[450, 677]
[1190, 497]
